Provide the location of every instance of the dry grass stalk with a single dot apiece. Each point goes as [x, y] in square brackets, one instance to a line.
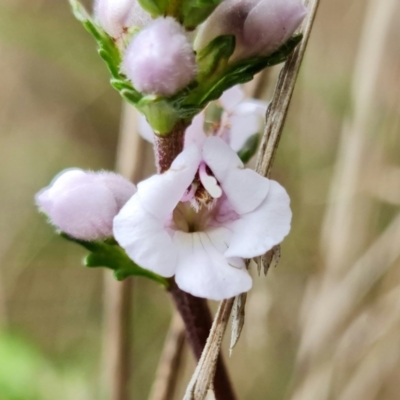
[337, 300]
[205, 370]
[168, 367]
[275, 118]
[344, 232]
[333, 299]
[118, 295]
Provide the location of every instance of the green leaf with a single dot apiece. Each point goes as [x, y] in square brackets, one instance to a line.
[108, 50]
[110, 255]
[249, 148]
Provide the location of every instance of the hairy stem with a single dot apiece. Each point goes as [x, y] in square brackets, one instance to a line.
[166, 148]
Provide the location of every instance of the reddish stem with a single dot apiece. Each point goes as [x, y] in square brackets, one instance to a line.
[166, 148]
[197, 319]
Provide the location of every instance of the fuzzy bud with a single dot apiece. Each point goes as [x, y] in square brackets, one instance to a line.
[160, 59]
[84, 204]
[259, 26]
[115, 16]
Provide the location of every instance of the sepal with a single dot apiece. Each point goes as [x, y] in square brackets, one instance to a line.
[194, 12]
[110, 255]
[249, 148]
[156, 8]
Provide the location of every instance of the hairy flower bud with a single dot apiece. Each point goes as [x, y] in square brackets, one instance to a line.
[84, 204]
[117, 15]
[260, 26]
[160, 59]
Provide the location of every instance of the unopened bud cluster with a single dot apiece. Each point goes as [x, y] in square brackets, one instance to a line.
[259, 26]
[160, 59]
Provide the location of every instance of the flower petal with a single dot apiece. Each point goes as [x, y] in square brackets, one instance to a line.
[160, 194]
[144, 238]
[244, 188]
[220, 157]
[231, 98]
[204, 271]
[195, 132]
[245, 120]
[257, 232]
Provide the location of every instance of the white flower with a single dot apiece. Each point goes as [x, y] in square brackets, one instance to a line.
[241, 119]
[200, 219]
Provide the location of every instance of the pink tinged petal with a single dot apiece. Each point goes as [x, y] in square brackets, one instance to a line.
[160, 194]
[144, 239]
[245, 120]
[85, 212]
[121, 189]
[227, 19]
[62, 182]
[83, 204]
[160, 59]
[116, 15]
[231, 98]
[190, 193]
[271, 23]
[204, 271]
[258, 231]
[220, 157]
[195, 132]
[244, 188]
[145, 130]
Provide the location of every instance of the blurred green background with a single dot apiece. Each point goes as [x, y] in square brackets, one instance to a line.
[57, 110]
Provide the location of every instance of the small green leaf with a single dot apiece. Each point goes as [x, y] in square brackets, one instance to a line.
[249, 148]
[110, 255]
[108, 51]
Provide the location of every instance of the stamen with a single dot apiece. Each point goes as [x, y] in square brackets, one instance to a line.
[209, 182]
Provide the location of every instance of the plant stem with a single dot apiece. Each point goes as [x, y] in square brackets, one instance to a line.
[198, 320]
[166, 148]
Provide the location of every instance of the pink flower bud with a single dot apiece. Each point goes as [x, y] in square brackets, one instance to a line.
[84, 204]
[260, 26]
[117, 15]
[160, 59]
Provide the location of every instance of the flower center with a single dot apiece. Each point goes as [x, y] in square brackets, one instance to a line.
[195, 209]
